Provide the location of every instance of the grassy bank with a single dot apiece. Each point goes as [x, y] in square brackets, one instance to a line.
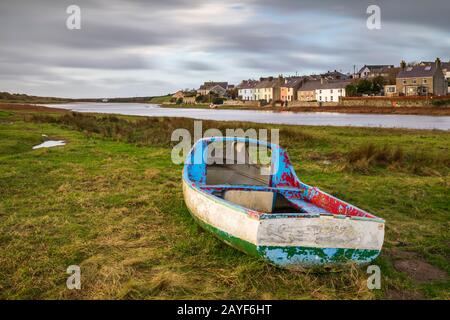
[111, 202]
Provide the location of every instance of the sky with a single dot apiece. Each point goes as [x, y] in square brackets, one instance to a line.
[146, 48]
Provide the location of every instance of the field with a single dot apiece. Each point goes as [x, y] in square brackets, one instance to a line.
[111, 202]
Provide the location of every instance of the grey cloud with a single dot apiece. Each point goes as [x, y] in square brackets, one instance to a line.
[150, 39]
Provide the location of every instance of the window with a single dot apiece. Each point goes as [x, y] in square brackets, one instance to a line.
[404, 81]
[320, 98]
[415, 81]
[331, 98]
[424, 81]
[320, 91]
[331, 90]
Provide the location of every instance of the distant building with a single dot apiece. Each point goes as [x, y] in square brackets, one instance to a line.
[334, 75]
[268, 89]
[445, 69]
[307, 91]
[422, 79]
[206, 87]
[390, 90]
[178, 95]
[331, 91]
[389, 74]
[365, 71]
[246, 90]
[289, 89]
[218, 90]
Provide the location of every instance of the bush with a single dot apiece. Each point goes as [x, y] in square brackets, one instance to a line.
[439, 103]
[218, 100]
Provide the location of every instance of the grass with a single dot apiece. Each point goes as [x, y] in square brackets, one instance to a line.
[111, 202]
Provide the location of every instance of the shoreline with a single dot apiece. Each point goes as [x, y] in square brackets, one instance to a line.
[418, 111]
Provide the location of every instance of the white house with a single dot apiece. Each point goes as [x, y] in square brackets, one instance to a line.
[246, 90]
[331, 91]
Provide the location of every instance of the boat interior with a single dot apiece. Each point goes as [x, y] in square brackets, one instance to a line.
[242, 179]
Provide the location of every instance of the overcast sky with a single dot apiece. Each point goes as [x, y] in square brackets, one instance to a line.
[142, 48]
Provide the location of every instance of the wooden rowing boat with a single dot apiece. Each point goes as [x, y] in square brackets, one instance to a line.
[266, 211]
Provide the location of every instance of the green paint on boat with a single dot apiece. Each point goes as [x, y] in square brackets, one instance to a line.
[292, 256]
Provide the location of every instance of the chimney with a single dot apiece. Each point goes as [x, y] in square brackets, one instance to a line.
[270, 78]
[438, 63]
[321, 80]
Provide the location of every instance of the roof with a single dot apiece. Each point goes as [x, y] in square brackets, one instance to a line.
[444, 65]
[310, 85]
[334, 75]
[247, 84]
[211, 84]
[418, 71]
[330, 84]
[293, 82]
[268, 83]
[338, 84]
[373, 67]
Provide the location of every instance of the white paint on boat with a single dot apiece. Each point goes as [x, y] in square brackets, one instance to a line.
[50, 144]
[322, 232]
[220, 216]
[316, 232]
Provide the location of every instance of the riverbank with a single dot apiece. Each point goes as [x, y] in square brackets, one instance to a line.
[111, 202]
[426, 111]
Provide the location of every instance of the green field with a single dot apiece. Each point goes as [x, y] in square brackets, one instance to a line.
[111, 202]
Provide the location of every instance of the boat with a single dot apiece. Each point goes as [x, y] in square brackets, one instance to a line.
[264, 210]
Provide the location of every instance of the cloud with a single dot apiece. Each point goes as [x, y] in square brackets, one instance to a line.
[152, 47]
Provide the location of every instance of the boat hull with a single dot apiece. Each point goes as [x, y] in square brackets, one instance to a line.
[287, 241]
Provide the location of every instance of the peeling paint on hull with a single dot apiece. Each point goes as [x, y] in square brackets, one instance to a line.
[337, 233]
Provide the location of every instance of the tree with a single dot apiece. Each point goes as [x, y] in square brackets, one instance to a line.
[364, 86]
[378, 84]
[351, 90]
[403, 64]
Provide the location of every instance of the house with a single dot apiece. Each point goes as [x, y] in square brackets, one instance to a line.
[246, 90]
[367, 69]
[288, 90]
[218, 90]
[334, 75]
[206, 87]
[389, 74]
[189, 100]
[178, 95]
[307, 91]
[445, 69]
[390, 90]
[268, 89]
[331, 91]
[422, 79]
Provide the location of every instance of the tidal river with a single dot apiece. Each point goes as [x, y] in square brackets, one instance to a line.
[285, 117]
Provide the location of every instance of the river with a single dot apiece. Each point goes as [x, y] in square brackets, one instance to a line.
[285, 117]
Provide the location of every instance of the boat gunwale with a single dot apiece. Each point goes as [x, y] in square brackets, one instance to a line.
[262, 215]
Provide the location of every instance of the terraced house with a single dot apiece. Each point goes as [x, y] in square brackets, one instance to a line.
[331, 91]
[246, 90]
[268, 89]
[422, 79]
[307, 92]
[288, 90]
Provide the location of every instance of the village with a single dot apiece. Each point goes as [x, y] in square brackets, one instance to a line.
[419, 81]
